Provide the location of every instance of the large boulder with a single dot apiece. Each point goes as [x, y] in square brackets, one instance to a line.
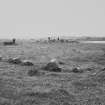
[52, 66]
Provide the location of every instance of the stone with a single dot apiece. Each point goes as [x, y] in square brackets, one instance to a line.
[27, 63]
[14, 60]
[77, 70]
[52, 66]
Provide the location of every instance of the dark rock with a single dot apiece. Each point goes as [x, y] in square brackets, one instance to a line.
[77, 70]
[52, 66]
[103, 69]
[89, 69]
[14, 60]
[27, 63]
[61, 63]
[10, 42]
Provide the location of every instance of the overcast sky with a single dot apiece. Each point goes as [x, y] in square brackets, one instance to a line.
[39, 18]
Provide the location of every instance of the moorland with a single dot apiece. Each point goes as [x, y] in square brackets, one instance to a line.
[17, 87]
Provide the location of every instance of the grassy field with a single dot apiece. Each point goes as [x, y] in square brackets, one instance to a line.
[53, 88]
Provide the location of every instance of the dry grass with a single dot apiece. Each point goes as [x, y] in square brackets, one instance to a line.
[17, 87]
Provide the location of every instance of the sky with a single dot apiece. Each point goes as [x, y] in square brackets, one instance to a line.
[42, 18]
